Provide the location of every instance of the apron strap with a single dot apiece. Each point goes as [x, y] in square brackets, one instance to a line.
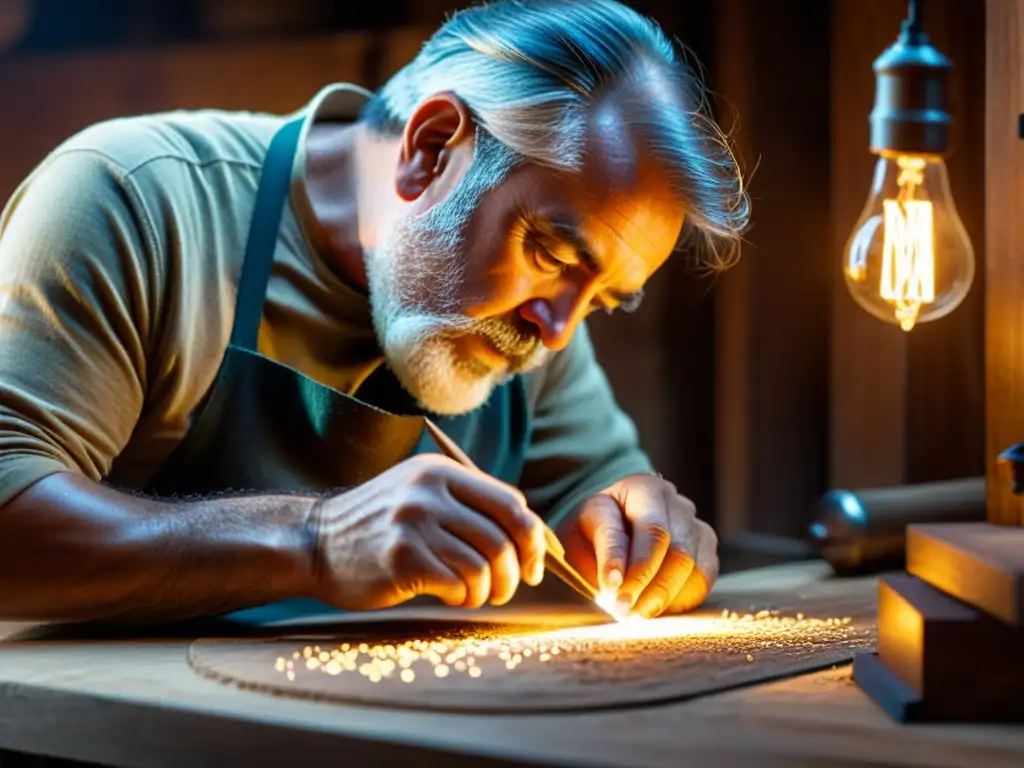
[271, 196]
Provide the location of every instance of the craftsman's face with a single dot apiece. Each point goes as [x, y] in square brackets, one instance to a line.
[495, 273]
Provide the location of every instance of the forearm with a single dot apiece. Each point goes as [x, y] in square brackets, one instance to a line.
[72, 550]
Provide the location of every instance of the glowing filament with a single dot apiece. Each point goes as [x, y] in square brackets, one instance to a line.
[908, 256]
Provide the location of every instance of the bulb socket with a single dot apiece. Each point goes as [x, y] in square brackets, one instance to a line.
[911, 113]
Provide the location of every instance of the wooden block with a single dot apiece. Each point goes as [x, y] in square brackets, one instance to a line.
[978, 563]
[952, 661]
[887, 690]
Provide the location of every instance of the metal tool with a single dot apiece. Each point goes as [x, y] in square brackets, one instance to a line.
[554, 557]
[865, 531]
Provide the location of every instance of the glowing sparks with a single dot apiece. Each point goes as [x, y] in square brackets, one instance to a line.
[491, 652]
[608, 601]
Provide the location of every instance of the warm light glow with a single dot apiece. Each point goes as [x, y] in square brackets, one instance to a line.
[635, 627]
[909, 259]
[908, 255]
[607, 601]
[484, 653]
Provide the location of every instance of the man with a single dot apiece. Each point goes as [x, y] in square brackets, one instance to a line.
[218, 333]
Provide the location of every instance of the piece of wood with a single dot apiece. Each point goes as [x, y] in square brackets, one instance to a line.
[960, 663]
[132, 703]
[978, 563]
[886, 689]
[1004, 299]
[515, 669]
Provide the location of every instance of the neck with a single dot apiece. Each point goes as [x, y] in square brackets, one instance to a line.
[333, 185]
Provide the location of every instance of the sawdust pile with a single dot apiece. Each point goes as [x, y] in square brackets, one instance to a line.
[581, 653]
[481, 668]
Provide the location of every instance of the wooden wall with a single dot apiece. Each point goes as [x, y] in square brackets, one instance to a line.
[905, 407]
[1004, 191]
[57, 95]
[771, 323]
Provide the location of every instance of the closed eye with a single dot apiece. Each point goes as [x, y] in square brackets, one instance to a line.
[545, 261]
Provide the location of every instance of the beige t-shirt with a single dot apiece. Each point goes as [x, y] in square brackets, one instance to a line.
[119, 263]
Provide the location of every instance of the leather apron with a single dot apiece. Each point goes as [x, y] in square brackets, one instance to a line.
[266, 427]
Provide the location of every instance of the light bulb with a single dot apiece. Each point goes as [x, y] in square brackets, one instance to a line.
[909, 259]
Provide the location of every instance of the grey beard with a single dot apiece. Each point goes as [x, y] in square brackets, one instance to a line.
[415, 282]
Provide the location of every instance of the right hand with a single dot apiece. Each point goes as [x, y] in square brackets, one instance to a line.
[427, 526]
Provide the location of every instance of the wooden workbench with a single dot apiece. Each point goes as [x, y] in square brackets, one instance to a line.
[137, 703]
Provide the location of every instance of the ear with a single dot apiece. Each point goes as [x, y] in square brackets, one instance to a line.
[437, 126]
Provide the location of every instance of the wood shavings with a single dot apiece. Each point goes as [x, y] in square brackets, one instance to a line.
[489, 668]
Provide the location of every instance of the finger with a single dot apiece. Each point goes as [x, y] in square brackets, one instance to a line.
[506, 506]
[602, 525]
[416, 570]
[673, 574]
[704, 575]
[468, 564]
[679, 560]
[645, 509]
[490, 541]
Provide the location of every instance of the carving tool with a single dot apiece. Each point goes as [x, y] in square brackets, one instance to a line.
[554, 556]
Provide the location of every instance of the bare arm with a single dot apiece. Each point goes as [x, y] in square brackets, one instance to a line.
[73, 550]
[85, 353]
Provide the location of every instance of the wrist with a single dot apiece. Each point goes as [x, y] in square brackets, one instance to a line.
[295, 548]
[311, 536]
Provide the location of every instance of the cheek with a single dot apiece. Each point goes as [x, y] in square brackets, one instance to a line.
[500, 284]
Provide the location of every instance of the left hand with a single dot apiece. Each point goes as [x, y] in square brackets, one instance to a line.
[642, 539]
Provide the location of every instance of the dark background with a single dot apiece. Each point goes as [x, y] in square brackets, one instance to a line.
[754, 391]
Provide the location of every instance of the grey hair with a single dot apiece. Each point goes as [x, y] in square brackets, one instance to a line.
[532, 73]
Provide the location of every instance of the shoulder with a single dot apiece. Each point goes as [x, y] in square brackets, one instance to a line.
[194, 138]
[145, 162]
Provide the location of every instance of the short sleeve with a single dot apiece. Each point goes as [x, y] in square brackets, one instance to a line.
[581, 442]
[75, 316]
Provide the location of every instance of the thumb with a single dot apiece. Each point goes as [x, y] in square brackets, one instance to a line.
[602, 524]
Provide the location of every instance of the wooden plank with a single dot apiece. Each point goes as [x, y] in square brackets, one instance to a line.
[733, 324]
[558, 669]
[135, 703]
[771, 311]
[922, 637]
[1004, 300]
[978, 563]
[945, 358]
[868, 438]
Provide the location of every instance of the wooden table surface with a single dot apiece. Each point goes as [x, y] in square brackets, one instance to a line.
[137, 703]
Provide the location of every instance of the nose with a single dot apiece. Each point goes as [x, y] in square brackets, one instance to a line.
[556, 318]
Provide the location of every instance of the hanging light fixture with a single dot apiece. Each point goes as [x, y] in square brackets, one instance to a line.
[909, 259]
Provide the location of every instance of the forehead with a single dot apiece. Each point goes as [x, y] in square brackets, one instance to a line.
[622, 202]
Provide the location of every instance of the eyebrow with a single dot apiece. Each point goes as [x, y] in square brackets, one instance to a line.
[567, 231]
